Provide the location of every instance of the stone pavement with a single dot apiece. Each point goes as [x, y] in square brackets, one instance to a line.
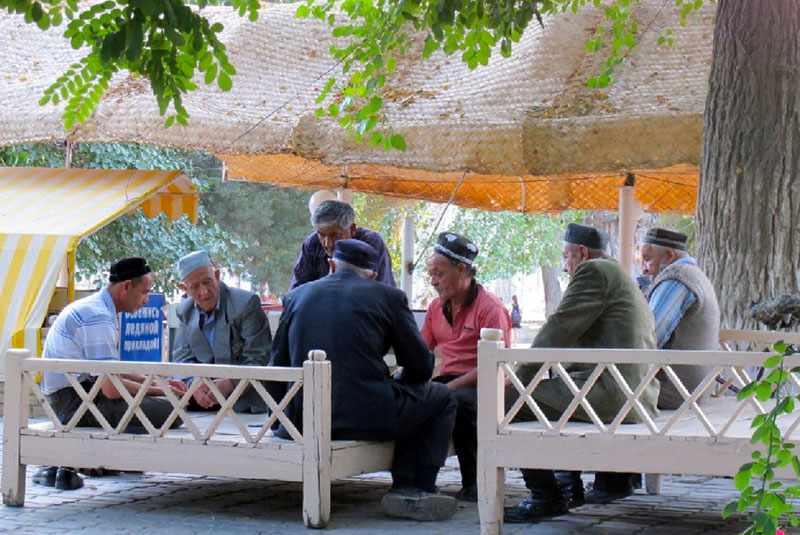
[176, 504]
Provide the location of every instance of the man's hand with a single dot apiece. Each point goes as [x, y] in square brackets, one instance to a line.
[206, 399]
[178, 387]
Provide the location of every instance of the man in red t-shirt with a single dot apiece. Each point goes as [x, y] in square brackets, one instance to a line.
[453, 324]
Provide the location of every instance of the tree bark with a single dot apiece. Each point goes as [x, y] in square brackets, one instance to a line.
[552, 289]
[749, 200]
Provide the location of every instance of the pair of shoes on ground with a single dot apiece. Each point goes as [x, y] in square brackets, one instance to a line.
[417, 504]
[60, 477]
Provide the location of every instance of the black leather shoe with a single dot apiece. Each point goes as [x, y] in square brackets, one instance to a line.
[573, 494]
[603, 496]
[68, 479]
[533, 510]
[45, 475]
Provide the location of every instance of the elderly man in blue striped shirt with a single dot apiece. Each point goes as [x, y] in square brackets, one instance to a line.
[684, 305]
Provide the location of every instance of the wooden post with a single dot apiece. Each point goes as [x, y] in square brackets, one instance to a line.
[627, 227]
[407, 260]
[491, 407]
[15, 417]
[316, 440]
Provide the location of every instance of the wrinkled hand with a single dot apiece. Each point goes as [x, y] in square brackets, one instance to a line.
[206, 398]
[178, 387]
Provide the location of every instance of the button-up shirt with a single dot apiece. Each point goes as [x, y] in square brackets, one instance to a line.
[86, 329]
[458, 336]
[312, 264]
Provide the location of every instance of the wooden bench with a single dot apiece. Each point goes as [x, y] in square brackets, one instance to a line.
[221, 443]
[708, 439]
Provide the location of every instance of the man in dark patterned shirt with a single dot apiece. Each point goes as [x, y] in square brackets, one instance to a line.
[334, 221]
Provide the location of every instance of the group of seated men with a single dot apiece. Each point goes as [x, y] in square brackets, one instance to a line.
[343, 300]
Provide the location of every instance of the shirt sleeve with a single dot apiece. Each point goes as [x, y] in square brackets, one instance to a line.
[497, 317]
[669, 301]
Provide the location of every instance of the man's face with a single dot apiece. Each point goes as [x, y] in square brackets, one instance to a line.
[446, 278]
[653, 261]
[134, 295]
[329, 235]
[572, 256]
[202, 285]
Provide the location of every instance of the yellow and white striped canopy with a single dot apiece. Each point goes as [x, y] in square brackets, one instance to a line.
[43, 215]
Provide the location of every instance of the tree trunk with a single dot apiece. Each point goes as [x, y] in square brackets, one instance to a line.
[749, 201]
[552, 289]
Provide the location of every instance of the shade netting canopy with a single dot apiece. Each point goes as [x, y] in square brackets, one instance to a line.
[523, 134]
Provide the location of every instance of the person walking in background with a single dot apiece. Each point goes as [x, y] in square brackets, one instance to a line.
[516, 318]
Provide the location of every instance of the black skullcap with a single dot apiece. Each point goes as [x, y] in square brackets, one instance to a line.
[127, 269]
[456, 247]
[666, 238]
[590, 237]
[356, 253]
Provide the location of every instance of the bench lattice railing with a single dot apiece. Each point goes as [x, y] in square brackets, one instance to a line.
[157, 374]
[553, 365]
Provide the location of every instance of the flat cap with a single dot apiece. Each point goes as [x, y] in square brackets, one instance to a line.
[127, 269]
[456, 247]
[192, 261]
[590, 237]
[356, 253]
[666, 238]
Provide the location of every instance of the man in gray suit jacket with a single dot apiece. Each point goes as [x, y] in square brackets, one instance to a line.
[219, 325]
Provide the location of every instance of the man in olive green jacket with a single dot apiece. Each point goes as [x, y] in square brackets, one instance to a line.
[601, 308]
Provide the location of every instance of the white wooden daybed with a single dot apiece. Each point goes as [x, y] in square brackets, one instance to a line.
[219, 444]
[708, 439]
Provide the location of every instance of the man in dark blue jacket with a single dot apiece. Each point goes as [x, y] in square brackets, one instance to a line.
[355, 320]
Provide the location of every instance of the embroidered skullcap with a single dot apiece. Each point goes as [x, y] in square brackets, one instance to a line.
[127, 269]
[192, 261]
[590, 237]
[666, 238]
[456, 247]
[356, 253]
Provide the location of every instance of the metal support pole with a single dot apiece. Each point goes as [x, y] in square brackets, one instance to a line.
[407, 258]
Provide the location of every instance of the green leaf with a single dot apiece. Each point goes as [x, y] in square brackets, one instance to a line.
[772, 361]
[342, 31]
[169, 121]
[763, 391]
[796, 466]
[742, 479]
[211, 73]
[398, 142]
[747, 390]
[729, 509]
[224, 81]
[302, 12]
[376, 139]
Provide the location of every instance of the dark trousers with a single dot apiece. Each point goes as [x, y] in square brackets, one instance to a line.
[465, 431]
[66, 401]
[426, 425]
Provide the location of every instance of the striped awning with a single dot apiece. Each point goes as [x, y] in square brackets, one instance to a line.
[43, 215]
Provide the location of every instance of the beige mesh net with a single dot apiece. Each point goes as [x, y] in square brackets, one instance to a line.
[525, 133]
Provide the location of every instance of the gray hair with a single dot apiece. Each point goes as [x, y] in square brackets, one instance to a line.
[593, 253]
[362, 272]
[333, 212]
[659, 249]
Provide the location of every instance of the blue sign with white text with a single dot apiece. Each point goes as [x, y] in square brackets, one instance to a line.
[142, 331]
